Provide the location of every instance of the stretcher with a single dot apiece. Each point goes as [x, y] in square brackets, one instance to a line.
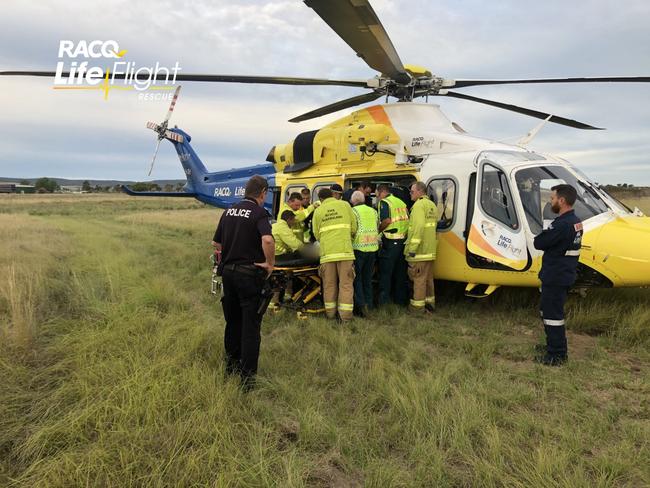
[297, 287]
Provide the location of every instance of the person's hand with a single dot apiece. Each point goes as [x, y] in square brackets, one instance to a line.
[316, 204]
[268, 267]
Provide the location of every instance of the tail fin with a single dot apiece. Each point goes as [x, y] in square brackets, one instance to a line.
[193, 167]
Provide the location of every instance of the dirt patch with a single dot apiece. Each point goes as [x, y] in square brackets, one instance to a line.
[330, 472]
[580, 345]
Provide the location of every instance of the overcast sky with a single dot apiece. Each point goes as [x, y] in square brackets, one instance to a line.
[77, 134]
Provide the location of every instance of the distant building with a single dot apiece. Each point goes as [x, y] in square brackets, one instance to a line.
[71, 189]
[9, 187]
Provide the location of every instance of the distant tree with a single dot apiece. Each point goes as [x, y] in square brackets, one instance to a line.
[25, 182]
[97, 189]
[47, 185]
[154, 187]
[140, 186]
[179, 186]
[168, 187]
[117, 187]
[85, 186]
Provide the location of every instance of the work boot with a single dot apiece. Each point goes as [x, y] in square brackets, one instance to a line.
[550, 360]
[430, 308]
[359, 312]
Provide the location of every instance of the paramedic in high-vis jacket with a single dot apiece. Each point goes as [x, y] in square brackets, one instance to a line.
[561, 243]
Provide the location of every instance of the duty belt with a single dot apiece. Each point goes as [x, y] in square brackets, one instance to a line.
[246, 269]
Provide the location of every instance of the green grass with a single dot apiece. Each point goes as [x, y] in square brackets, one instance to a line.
[111, 367]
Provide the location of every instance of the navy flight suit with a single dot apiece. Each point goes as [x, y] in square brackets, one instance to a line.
[561, 245]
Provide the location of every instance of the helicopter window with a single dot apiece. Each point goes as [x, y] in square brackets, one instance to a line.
[496, 198]
[443, 193]
[316, 189]
[534, 186]
[292, 189]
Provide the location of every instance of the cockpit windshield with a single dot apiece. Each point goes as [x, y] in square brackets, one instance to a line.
[534, 186]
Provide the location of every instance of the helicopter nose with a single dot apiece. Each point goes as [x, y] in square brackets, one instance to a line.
[622, 250]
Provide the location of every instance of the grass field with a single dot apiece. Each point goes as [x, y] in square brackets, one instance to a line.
[111, 373]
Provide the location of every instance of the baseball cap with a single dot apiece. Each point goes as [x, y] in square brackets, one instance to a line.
[337, 188]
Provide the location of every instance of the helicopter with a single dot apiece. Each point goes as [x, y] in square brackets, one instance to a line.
[491, 196]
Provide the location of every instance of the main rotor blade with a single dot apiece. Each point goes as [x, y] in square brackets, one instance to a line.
[340, 105]
[602, 79]
[358, 25]
[525, 111]
[268, 80]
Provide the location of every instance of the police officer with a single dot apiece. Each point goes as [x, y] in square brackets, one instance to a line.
[393, 226]
[334, 226]
[561, 243]
[420, 248]
[245, 240]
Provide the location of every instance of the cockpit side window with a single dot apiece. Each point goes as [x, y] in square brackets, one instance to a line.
[496, 199]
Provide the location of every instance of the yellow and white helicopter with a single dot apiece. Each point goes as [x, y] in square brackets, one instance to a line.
[492, 197]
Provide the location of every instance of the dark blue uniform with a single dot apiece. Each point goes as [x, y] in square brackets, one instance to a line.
[240, 232]
[561, 245]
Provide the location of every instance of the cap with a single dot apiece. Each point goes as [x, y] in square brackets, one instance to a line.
[337, 188]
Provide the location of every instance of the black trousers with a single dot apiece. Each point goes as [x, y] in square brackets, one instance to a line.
[364, 267]
[393, 272]
[552, 312]
[240, 301]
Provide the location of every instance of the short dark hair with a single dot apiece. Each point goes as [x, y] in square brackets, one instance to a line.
[287, 215]
[567, 192]
[305, 191]
[324, 193]
[295, 196]
[255, 186]
[383, 187]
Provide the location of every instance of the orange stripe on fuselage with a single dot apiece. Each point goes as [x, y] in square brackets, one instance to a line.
[476, 238]
[379, 115]
[454, 241]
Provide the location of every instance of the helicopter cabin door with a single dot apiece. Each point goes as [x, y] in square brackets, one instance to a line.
[496, 236]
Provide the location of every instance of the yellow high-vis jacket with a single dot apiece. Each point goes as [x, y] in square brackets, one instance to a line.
[422, 241]
[285, 239]
[334, 226]
[301, 214]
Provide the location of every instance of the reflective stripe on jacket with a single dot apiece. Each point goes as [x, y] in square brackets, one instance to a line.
[366, 238]
[421, 243]
[399, 218]
[334, 225]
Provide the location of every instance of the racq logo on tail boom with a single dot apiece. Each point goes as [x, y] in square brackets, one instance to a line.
[75, 72]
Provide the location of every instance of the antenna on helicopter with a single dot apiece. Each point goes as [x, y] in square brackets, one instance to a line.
[162, 129]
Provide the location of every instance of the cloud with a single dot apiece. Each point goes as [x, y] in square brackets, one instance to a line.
[81, 134]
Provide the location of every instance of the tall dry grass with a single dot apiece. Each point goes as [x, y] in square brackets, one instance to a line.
[125, 384]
